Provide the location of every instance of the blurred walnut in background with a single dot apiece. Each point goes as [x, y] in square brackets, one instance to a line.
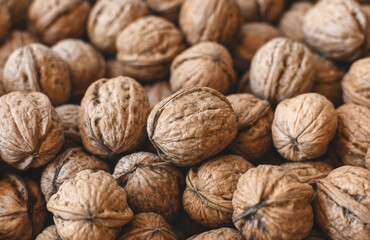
[261, 10]
[168, 9]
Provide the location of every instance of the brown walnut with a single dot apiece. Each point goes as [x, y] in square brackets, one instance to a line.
[219, 234]
[243, 85]
[261, 10]
[367, 159]
[157, 92]
[168, 9]
[69, 115]
[115, 68]
[18, 11]
[5, 21]
[49, 233]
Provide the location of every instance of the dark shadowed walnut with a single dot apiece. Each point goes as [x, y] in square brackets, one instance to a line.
[210, 187]
[65, 166]
[157, 92]
[5, 21]
[36, 68]
[168, 9]
[243, 85]
[22, 208]
[31, 132]
[271, 203]
[49, 233]
[191, 125]
[18, 11]
[342, 204]
[261, 10]
[254, 123]
[219, 234]
[147, 47]
[90, 205]
[151, 185]
[211, 20]
[192, 68]
[112, 117]
[303, 126]
[69, 115]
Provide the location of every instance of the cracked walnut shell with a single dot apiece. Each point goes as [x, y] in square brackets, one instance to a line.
[49, 233]
[219, 234]
[68, 113]
[261, 10]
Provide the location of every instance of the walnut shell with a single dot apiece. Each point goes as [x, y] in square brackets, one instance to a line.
[37, 68]
[31, 132]
[5, 21]
[367, 159]
[254, 123]
[210, 187]
[281, 69]
[211, 20]
[352, 138]
[18, 11]
[49, 233]
[261, 10]
[55, 20]
[147, 46]
[168, 9]
[65, 166]
[90, 205]
[219, 234]
[270, 203]
[69, 115]
[22, 208]
[147, 226]
[243, 85]
[185, 132]
[342, 204]
[85, 63]
[192, 67]
[157, 92]
[115, 68]
[109, 17]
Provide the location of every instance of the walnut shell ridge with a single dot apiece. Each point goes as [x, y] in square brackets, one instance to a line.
[68, 113]
[219, 234]
[261, 10]
[49, 233]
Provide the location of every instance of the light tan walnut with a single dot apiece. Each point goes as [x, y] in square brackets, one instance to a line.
[157, 92]
[68, 113]
[49, 233]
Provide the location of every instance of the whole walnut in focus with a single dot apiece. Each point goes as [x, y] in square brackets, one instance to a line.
[112, 117]
[261, 10]
[22, 208]
[192, 67]
[147, 47]
[219, 234]
[191, 125]
[254, 123]
[342, 204]
[270, 203]
[5, 21]
[31, 132]
[36, 68]
[210, 187]
[55, 20]
[211, 20]
[69, 115]
[109, 17]
[49, 233]
[168, 9]
[157, 92]
[281, 69]
[338, 29]
[303, 126]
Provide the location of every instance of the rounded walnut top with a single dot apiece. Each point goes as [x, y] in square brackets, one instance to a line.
[219, 234]
[49, 233]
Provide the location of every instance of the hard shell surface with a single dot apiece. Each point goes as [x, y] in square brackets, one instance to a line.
[219, 234]
[261, 10]
[49, 233]
[68, 113]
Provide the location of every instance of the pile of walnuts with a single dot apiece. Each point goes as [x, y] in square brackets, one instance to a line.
[184, 119]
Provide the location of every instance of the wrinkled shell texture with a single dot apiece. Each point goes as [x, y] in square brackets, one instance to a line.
[148, 226]
[219, 234]
[254, 120]
[338, 29]
[192, 68]
[356, 83]
[352, 138]
[342, 205]
[147, 46]
[91, 205]
[22, 208]
[49, 233]
[113, 115]
[303, 126]
[37, 68]
[55, 20]
[271, 203]
[157, 92]
[151, 185]
[5, 22]
[261, 10]
[210, 187]
[109, 17]
[281, 69]
[185, 131]
[31, 132]
[69, 115]
[65, 166]
[168, 9]
[211, 20]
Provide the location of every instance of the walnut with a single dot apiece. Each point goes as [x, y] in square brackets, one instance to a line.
[281, 69]
[66, 165]
[49, 233]
[342, 204]
[303, 126]
[85, 64]
[147, 226]
[270, 203]
[18, 11]
[352, 138]
[211, 20]
[69, 115]
[115, 68]
[55, 20]
[147, 46]
[192, 68]
[168, 9]
[185, 132]
[243, 85]
[367, 159]
[261, 10]
[112, 117]
[356, 83]
[37, 68]
[338, 29]
[5, 21]
[31, 132]
[254, 36]
[254, 123]
[210, 187]
[22, 208]
[157, 92]
[90, 205]
[219, 234]
[109, 17]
